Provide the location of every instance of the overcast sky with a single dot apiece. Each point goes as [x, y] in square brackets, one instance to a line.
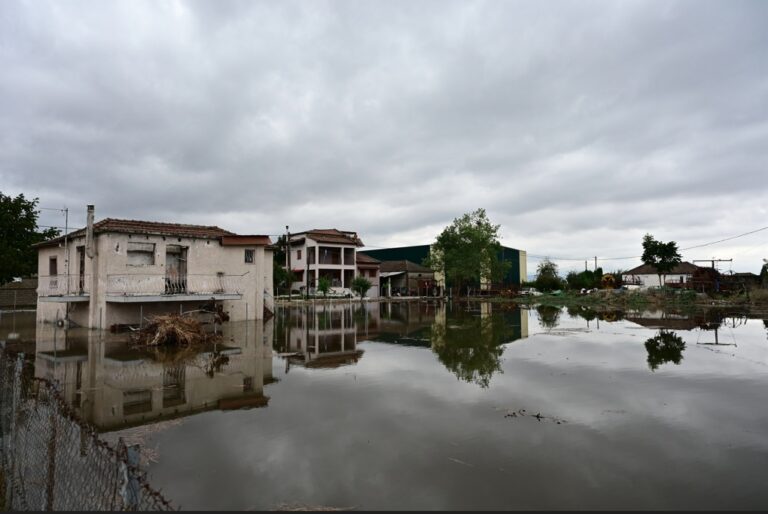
[578, 126]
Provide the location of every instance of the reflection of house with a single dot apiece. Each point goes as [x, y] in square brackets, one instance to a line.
[645, 275]
[328, 253]
[406, 278]
[113, 386]
[322, 337]
[116, 271]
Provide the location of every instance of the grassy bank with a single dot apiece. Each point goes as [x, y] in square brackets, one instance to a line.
[610, 299]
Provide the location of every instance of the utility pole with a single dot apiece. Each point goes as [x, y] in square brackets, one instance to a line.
[288, 259]
[66, 247]
[713, 261]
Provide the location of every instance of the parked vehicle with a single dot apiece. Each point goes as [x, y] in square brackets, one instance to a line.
[530, 291]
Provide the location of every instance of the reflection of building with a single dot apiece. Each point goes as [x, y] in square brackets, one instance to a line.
[324, 336]
[114, 386]
[117, 271]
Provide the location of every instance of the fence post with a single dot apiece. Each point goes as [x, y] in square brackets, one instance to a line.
[129, 462]
[13, 432]
[50, 479]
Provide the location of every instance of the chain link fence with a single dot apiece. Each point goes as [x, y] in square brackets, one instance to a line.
[52, 460]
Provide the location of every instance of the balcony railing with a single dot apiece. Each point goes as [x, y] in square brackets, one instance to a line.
[154, 285]
[64, 285]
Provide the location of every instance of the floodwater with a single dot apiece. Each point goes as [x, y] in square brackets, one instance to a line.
[435, 406]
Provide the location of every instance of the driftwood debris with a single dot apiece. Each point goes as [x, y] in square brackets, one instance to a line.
[173, 330]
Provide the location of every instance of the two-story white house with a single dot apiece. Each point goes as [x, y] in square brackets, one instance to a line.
[120, 271]
[326, 253]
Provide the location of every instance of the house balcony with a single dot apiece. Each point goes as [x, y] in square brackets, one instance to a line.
[136, 288]
[64, 288]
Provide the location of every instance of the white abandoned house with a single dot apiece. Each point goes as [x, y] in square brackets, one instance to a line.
[121, 271]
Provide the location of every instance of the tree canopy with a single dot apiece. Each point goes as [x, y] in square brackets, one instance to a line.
[662, 256]
[467, 251]
[361, 285]
[18, 232]
[547, 277]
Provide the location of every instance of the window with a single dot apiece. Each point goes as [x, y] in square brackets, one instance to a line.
[53, 268]
[310, 255]
[140, 254]
[249, 253]
[298, 255]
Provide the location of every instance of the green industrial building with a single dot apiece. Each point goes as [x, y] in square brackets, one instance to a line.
[515, 275]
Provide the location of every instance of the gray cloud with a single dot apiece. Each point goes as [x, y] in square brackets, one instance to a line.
[579, 126]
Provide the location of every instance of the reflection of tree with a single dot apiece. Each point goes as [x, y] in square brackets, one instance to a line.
[549, 316]
[665, 347]
[470, 346]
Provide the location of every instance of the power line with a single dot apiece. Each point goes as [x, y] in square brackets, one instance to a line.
[702, 245]
[726, 239]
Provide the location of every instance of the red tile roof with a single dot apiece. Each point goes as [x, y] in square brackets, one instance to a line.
[332, 236]
[646, 269]
[147, 227]
[391, 266]
[361, 258]
[245, 241]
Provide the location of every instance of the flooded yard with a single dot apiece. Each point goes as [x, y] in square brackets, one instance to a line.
[427, 405]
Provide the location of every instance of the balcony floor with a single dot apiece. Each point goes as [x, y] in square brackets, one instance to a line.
[171, 298]
[64, 298]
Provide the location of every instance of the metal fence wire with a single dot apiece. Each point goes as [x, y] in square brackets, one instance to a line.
[52, 460]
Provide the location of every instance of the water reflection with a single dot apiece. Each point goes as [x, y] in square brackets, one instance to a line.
[322, 336]
[666, 346]
[467, 339]
[471, 345]
[114, 385]
[549, 316]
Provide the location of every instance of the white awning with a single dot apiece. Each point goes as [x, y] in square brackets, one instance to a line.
[391, 274]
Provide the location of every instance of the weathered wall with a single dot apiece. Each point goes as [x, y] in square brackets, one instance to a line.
[109, 267]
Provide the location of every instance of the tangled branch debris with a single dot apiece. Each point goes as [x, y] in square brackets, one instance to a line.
[173, 330]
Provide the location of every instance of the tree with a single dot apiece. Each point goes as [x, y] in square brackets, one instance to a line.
[467, 251]
[662, 256]
[324, 285]
[547, 277]
[18, 232]
[361, 285]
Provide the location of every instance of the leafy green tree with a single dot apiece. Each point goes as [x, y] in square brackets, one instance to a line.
[467, 251]
[547, 278]
[666, 346]
[281, 277]
[18, 232]
[324, 285]
[587, 279]
[662, 256]
[361, 285]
